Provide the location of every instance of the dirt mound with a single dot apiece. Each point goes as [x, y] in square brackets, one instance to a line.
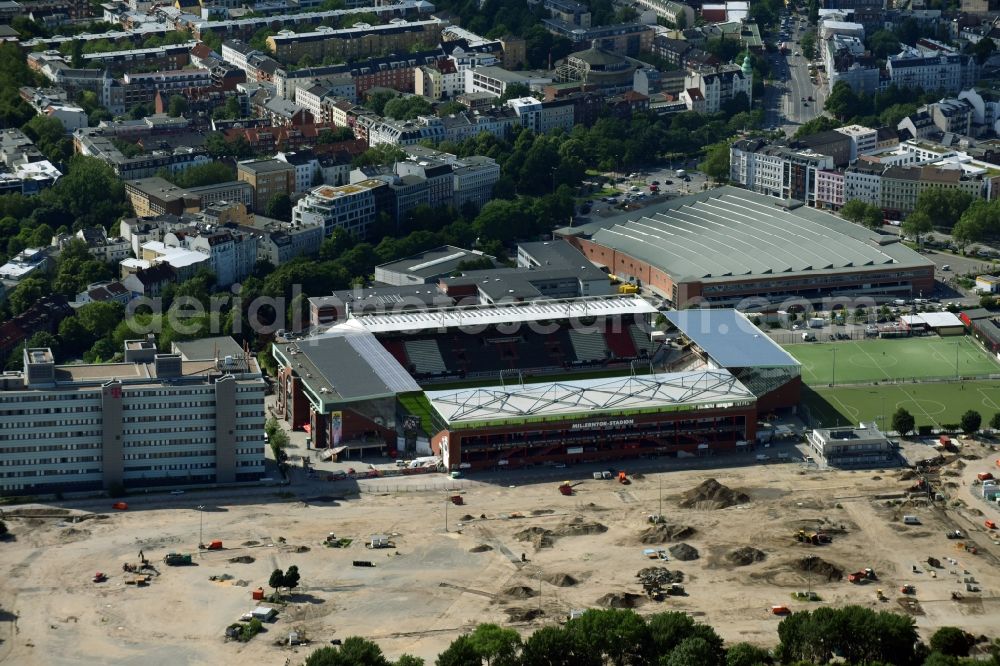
[710, 494]
[541, 512]
[522, 614]
[620, 600]
[539, 537]
[250, 543]
[741, 557]
[302, 549]
[664, 533]
[579, 527]
[481, 548]
[520, 592]
[560, 580]
[242, 559]
[660, 575]
[819, 566]
[907, 474]
[684, 552]
[72, 534]
[467, 517]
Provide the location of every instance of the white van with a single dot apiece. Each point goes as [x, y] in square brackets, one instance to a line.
[911, 520]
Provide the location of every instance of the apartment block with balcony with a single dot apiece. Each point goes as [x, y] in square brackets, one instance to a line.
[348, 207]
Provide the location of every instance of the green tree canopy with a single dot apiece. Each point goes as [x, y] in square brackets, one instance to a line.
[971, 420]
[903, 422]
[952, 641]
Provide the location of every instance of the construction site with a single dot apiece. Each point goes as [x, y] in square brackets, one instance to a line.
[737, 548]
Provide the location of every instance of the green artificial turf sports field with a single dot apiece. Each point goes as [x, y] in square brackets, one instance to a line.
[862, 361]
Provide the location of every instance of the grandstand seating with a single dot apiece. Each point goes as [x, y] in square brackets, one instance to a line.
[620, 342]
[397, 349]
[425, 357]
[588, 346]
[640, 338]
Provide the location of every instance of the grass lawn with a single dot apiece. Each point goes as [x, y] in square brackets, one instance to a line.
[930, 404]
[893, 358]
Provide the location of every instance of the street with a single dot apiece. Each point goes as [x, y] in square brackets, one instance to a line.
[786, 98]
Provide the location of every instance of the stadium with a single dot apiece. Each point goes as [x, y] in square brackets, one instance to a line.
[730, 247]
[515, 384]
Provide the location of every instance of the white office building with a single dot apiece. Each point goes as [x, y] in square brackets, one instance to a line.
[155, 419]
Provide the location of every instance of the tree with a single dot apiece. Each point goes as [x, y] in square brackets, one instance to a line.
[817, 125]
[450, 108]
[409, 660]
[952, 641]
[177, 106]
[3, 529]
[514, 91]
[670, 629]
[200, 175]
[354, 651]
[884, 43]
[808, 44]
[944, 207]
[27, 293]
[694, 651]
[903, 422]
[843, 102]
[873, 217]
[621, 636]
[995, 421]
[496, 645]
[276, 580]
[917, 224]
[279, 207]
[461, 652]
[971, 420]
[290, 580]
[716, 162]
[405, 108]
[554, 646]
[377, 100]
[746, 654]
[854, 210]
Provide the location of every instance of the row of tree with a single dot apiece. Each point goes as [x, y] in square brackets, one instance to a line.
[851, 635]
[904, 423]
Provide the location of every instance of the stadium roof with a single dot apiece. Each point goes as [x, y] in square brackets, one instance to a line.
[588, 398]
[728, 233]
[499, 313]
[345, 366]
[730, 338]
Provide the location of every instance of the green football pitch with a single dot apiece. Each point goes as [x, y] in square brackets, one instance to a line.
[863, 361]
[933, 403]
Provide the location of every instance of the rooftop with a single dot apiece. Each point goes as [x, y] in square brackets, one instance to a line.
[590, 398]
[439, 261]
[345, 365]
[500, 313]
[729, 232]
[730, 338]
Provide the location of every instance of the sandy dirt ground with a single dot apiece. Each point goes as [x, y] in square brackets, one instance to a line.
[435, 585]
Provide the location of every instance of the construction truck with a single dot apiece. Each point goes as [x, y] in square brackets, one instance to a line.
[908, 589]
[623, 478]
[100, 577]
[566, 488]
[815, 538]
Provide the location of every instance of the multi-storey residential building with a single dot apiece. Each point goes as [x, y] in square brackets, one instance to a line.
[279, 242]
[141, 88]
[356, 42]
[348, 207]
[94, 141]
[629, 39]
[864, 140]
[847, 60]
[473, 177]
[543, 117]
[44, 315]
[155, 196]
[244, 28]
[902, 185]
[268, 178]
[569, 11]
[829, 189]
[307, 168]
[438, 175]
[156, 419]
[777, 171]
[722, 85]
[231, 253]
[950, 72]
[952, 115]
[440, 80]
[107, 249]
[863, 181]
[676, 14]
[406, 132]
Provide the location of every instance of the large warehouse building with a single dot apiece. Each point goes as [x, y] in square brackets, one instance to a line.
[730, 247]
